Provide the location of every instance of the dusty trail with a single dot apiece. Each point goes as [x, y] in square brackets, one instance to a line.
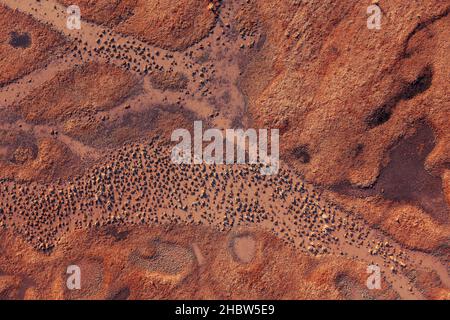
[216, 79]
[44, 131]
[16, 91]
[205, 80]
[239, 196]
[283, 205]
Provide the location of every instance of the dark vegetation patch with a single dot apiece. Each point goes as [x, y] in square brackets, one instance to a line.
[301, 153]
[357, 150]
[20, 40]
[405, 178]
[348, 286]
[419, 85]
[408, 91]
[122, 294]
[379, 116]
[17, 147]
[118, 235]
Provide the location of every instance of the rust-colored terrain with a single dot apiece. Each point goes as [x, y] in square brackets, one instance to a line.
[86, 176]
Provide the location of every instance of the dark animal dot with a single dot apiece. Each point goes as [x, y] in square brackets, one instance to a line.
[301, 153]
[22, 40]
